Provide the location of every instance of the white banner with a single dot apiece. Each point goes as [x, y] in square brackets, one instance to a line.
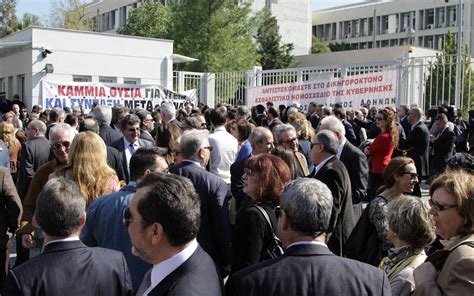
[85, 94]
[374, 89]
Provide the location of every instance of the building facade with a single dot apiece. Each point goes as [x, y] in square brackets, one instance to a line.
[398, 22]
[294, 18]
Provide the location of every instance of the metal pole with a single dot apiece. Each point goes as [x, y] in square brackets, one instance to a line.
[459, 63]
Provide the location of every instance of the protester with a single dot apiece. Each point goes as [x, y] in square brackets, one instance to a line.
[285, 136]
[241, 130]
[265, 177]
[450, 271]
[410, 231]
[14, 147]
[305, 133]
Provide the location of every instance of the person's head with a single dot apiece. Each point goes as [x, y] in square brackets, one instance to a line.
[16, 109]
[340, 113]
[303, 128]
[195, 146]
[272, 112]
[285, 135]
[401, 173]
[461, 161]
[452, 204]
[333, 124]
[261, 140]
[312, 107]
[402, 111]
[326, 110]
[306, 207]
[72, 120]
[37, 109]
[260, 109]
[57, 115]
[414, 115]
[241, 130]
[409, 222]
[324, 145]
[103, 114]
[148, 123]
[61, 136]
[243, 112]
[441, 121]
[36, 128]
[188, 108]
[386, 121]
[89, 125]
[218, 116]
[33, 116]
[147, 160]
[60, 208]
[265, 176]
[118, 114]
[131, 128]
[167, 111]
[7, 133]
[164, 215]
[364, 111]
[288, 157]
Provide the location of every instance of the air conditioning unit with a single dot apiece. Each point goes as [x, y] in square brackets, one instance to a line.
[453, 24]
[430, 26]
[347, 36]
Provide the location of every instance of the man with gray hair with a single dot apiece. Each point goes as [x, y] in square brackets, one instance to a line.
[61, 268]
[285, 136]
[168, 114]
[352, 157]
[103, 115]
[443, 145]
[215, 234]
[332, 172]
[417, 145]
[308, 265]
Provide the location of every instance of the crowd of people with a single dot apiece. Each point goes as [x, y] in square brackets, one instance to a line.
[236, 200]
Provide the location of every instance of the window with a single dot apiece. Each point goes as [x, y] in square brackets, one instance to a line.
[107, 79]
[81, 78]
[131, 81]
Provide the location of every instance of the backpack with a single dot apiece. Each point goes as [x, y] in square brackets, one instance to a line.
[273, 248]
[363, 244]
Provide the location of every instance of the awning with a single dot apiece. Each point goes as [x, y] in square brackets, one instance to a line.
[177, 59]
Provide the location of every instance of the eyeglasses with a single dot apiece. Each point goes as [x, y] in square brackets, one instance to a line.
[127, 217]
[439, 207]
[413, 176]
[289, 141]
[63, 144]
[208, 148]
[249, 172]
[314, 144]
[136, 129]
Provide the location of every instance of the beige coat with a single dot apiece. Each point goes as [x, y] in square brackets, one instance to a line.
[457, 275]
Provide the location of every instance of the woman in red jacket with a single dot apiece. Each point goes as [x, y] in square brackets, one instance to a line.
[381, 148]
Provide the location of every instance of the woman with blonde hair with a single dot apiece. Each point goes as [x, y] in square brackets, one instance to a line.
[87, 166]
[304, 132]
[7, 135]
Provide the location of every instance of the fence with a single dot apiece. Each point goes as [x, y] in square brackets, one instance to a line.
[426, 81]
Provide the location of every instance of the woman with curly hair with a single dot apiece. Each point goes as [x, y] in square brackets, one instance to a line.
[305, 133]
[87, 166]
[7, 134]
[381, 148]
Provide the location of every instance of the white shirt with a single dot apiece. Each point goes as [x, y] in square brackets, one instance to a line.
[225, 149]
[161, 270]
[339, 149]
[128, 153]
[68, 239]
[307, 243]
[321, 164]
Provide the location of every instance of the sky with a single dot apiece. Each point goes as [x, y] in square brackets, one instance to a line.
[42, 7]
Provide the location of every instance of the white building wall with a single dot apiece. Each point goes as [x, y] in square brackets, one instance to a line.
[88, 54]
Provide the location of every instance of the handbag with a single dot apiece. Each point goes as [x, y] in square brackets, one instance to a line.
[363, 244]
[273, 248]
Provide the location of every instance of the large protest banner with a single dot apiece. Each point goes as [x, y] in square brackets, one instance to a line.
[85, 94]
[374, 89]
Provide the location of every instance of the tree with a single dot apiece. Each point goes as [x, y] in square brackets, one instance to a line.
[8, 19]
[339, 46]
[149, 20]
[216, 32]
[27, 21]
[70, 14]
[272, 54]
[318, 47]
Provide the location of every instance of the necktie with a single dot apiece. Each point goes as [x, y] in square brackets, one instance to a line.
[132, 149]
[145, 284]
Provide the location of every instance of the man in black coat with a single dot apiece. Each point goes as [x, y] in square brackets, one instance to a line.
[66, 266]
[103, 116]
[443, 145]
[417, 145]
[215, 234]
[308, 267]
[163, 220]
[332, 172]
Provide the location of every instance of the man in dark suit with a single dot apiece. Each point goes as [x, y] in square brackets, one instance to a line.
[163, 221]
[215, 234]
[340, 113]
[34, 153]
[417, 145]
[308, 267]
[130, 142]
[443, 145]
[402, 113]
[273, 118]
[147, 125]
[261, 140]
[332, 172]
[285, 136]
[66, 265]
[103, 116]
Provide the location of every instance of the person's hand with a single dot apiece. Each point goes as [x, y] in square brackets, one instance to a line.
[27, 241]
[425, 272]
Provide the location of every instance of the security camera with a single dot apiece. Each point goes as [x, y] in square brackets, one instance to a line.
[45, 52]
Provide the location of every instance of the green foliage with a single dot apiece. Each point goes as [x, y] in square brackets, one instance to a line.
[27, 21]
[272, 54]
[8, 19]
[339, 46]
[149, 20]
[70, 14]
[318, 47]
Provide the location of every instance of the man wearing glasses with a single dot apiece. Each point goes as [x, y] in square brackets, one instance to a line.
[285, 136]
[104, 227]
[130, 142]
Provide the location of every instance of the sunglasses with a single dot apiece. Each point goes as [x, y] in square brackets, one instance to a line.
[439, 207]
[290, 141]
[413, 176]
[127, 217]
[58, 145]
